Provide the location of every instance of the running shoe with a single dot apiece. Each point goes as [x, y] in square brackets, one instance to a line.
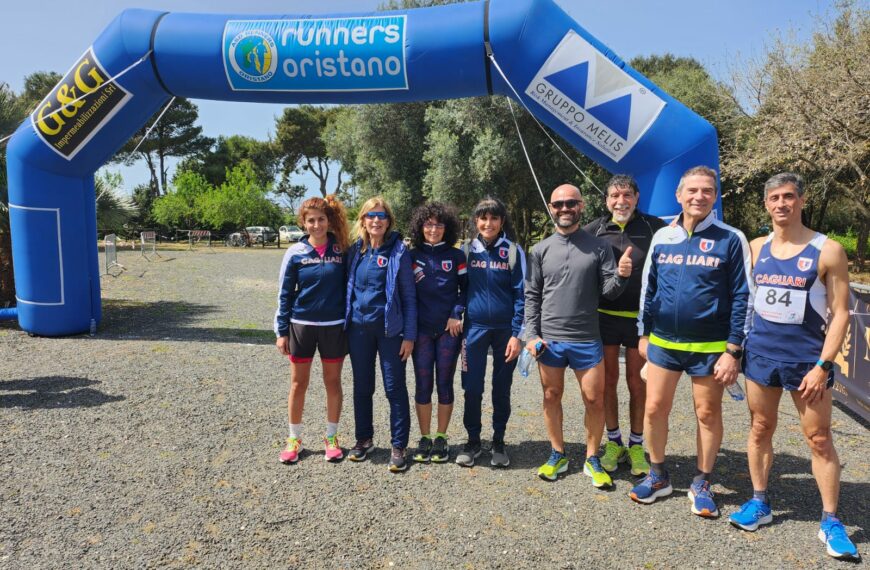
[292, 451]
[593, 468]
[360, 451]
[333, 451]
[752, 515]
[424, 450]
[703, 504]
[500, 458]
[637, 458]
[614, 454]
[554, 466]
[651, 488]
[398, 462]
[837, 543]
[470, 452]
[440, 450]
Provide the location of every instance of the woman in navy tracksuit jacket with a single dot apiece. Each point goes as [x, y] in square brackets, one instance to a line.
[381, 319]
[493, 319]
[441, 276]
[308, 319]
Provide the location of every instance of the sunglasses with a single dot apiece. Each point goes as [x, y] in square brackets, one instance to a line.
[434, 226]
[378, 215]
[559, 204]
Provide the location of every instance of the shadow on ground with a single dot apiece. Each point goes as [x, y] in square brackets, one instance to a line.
[172, 320]
[53, 392]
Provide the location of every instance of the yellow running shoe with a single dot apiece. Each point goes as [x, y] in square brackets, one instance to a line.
[637, 458]
[614, 454]
[556, 465]
[593, 468]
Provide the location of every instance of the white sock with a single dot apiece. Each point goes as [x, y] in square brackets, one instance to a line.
[331, 429]
[296, 431]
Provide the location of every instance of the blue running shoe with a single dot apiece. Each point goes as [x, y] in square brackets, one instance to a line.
[651, 488]
[752, 515]
[833, 534]
[703, 504]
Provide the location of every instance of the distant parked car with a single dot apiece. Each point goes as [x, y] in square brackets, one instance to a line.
[290, 233]
[261, 233]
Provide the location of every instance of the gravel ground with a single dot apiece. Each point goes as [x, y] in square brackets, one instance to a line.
[155, 443]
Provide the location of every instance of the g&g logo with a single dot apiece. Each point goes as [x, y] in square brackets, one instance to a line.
[78, 106]
[254, 56]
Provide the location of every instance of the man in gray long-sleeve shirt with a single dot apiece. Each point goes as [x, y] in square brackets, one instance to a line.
[567, 272]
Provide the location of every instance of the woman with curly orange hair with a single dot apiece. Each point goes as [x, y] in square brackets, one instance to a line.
[308, 319]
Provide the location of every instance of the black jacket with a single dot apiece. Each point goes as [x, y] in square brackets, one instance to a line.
[638, 233]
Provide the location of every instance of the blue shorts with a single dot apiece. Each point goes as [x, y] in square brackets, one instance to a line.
[774, 374]
[574, 355]
[692, 363]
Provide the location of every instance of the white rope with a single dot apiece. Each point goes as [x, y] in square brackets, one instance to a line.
[529, 160]
[154, 124]
[523, 103]
[80, 97]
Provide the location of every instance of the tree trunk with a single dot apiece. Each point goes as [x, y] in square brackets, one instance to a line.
[861, 248]
[7, 280]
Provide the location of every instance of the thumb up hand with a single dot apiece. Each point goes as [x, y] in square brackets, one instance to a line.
[624, 269]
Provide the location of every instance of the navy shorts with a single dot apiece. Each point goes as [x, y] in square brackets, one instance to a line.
[618, 331]
[692, 363]
[573, 355]
[774, 374]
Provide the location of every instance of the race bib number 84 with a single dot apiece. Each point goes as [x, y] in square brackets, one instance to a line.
[780, 305]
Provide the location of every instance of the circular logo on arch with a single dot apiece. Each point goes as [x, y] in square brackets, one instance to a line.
[254, 56]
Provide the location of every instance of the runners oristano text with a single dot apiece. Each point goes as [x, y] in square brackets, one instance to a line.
[801, 315]
[381, 320]
[622, 227]
[493, 320]
[309, 321]
[441, 278]
[562, 317]
[701, 334]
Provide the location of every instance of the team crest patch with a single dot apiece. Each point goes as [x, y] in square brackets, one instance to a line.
[503, 252]
[446, 264]
[707, 245]
[382, 261]
[804, 263]
[335, 248]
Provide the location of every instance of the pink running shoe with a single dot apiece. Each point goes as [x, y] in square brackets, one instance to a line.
[333, 450]
[291, 453]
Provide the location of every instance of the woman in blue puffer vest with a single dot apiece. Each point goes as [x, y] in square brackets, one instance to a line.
[381, 320]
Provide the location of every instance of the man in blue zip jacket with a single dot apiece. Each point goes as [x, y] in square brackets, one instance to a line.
[694, 318]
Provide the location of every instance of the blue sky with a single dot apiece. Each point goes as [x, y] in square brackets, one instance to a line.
[47, 35]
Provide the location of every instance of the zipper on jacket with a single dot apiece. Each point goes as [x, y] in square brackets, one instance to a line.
[680, 284]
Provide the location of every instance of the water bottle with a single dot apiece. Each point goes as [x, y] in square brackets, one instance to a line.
[525, 362]
[735, 391]
[526, 359]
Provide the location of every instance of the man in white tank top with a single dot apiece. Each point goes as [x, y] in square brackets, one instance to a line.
[799, 276]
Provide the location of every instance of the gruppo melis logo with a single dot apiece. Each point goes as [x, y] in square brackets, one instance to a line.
[78, 107]
[593, 97]
[253, 55]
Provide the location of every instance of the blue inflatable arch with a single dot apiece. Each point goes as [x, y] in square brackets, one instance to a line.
[568, 79]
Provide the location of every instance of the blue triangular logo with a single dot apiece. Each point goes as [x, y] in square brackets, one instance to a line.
[616, 114]
[572, 82]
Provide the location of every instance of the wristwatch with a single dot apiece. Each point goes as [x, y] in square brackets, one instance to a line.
[825, 365]
[736, 353]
